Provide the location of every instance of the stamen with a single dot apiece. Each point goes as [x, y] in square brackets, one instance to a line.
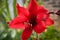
[27, 23]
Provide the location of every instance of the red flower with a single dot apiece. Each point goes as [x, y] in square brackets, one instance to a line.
[34, 18]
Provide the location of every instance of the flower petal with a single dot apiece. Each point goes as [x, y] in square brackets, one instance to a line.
[42, 17]
[26, 33]
[40, 27]
[42, 9]
[42, 14]
[33, 7]
[17, 26]
[18, 22]
[22, 10]
[49, 22]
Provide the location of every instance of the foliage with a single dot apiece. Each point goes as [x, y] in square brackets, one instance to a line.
[51, 33]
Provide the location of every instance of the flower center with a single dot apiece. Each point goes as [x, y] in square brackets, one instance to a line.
[32, 20]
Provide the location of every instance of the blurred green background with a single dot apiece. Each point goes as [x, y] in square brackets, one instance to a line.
[8, 12]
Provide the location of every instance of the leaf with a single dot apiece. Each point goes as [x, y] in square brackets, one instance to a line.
[7, 8]
[4, 21]
[14, 7]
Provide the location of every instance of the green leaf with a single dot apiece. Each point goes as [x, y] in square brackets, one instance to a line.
[7, 8]
[4, 21]
[51, 34]
[14, 7]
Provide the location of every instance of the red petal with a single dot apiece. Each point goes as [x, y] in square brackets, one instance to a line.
[18, 22]
[22, 10]
[33, 7]
[49, 22]
[42, 13]
[26, 33]
[17, 26]
[42, 16]
[40, 27]
[42, 9]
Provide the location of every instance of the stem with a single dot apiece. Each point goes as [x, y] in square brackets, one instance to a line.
[38, 37]
[34, 34]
